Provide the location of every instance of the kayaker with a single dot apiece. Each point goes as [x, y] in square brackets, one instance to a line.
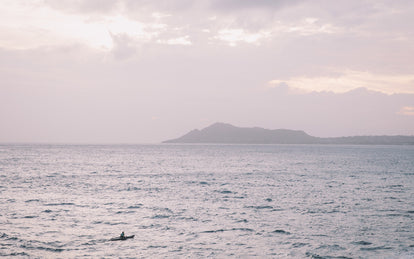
[122, 234]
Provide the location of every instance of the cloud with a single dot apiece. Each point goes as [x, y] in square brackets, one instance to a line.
[108, 6]
[355, 112]
[407, 110]
[184, 40]
[124, 47]
[84, 6]
[87, 21]
[234, 36]
[310, 26]
[27, 26]
[231, 5]
[105, 7]
[343, 81]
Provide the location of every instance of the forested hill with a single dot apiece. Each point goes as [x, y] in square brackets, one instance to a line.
[229, 134]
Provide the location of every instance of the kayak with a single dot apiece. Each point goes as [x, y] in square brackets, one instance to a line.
[121, 238]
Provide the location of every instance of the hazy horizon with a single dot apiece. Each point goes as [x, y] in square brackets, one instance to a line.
[148, 71]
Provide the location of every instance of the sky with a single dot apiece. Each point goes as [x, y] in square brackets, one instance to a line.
[144, 71]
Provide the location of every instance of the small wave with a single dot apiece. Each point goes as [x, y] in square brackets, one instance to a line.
[59, 204]
[391, 198]
[278, 209]
[363, 243]
[5, 236]
[375, 248]
[151, 226]
[50, 249]
[32, 245]
[114, 223]
[125, 212]
[331, 247]
[94, 242]
[137, 206]
[89, 243]
[259, 207]
[213, 231]
[225, 192]
[158, 216]
[30, 217]
[225, 230]
[134, 189]
[316, 256]
[162, 209]
[21, 254]
[155, 246]
[32, 200]
[243, 229]
[187, 218]
[281, 231]
[394, 215]
[299, 245]
[395, 186]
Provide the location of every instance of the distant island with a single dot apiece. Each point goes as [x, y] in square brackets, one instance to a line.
[223, 133]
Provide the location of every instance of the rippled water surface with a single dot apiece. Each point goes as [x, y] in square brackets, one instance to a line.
[191, 201]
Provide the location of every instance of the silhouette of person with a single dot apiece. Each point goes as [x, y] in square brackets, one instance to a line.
[122, 234]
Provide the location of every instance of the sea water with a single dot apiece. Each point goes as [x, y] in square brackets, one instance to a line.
[218, 201]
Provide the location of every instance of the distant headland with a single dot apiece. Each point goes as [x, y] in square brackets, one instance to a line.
[223, 133]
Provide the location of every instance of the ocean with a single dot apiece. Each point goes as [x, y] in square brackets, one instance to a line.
[197, 201]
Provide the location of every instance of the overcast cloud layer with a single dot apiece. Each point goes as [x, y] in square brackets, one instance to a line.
[139, 71]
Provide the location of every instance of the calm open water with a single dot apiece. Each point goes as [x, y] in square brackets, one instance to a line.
[218, 201]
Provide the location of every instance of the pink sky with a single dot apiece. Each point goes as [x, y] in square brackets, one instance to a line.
[126, 71]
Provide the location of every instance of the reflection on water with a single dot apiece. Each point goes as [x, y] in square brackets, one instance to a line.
[207, 200]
